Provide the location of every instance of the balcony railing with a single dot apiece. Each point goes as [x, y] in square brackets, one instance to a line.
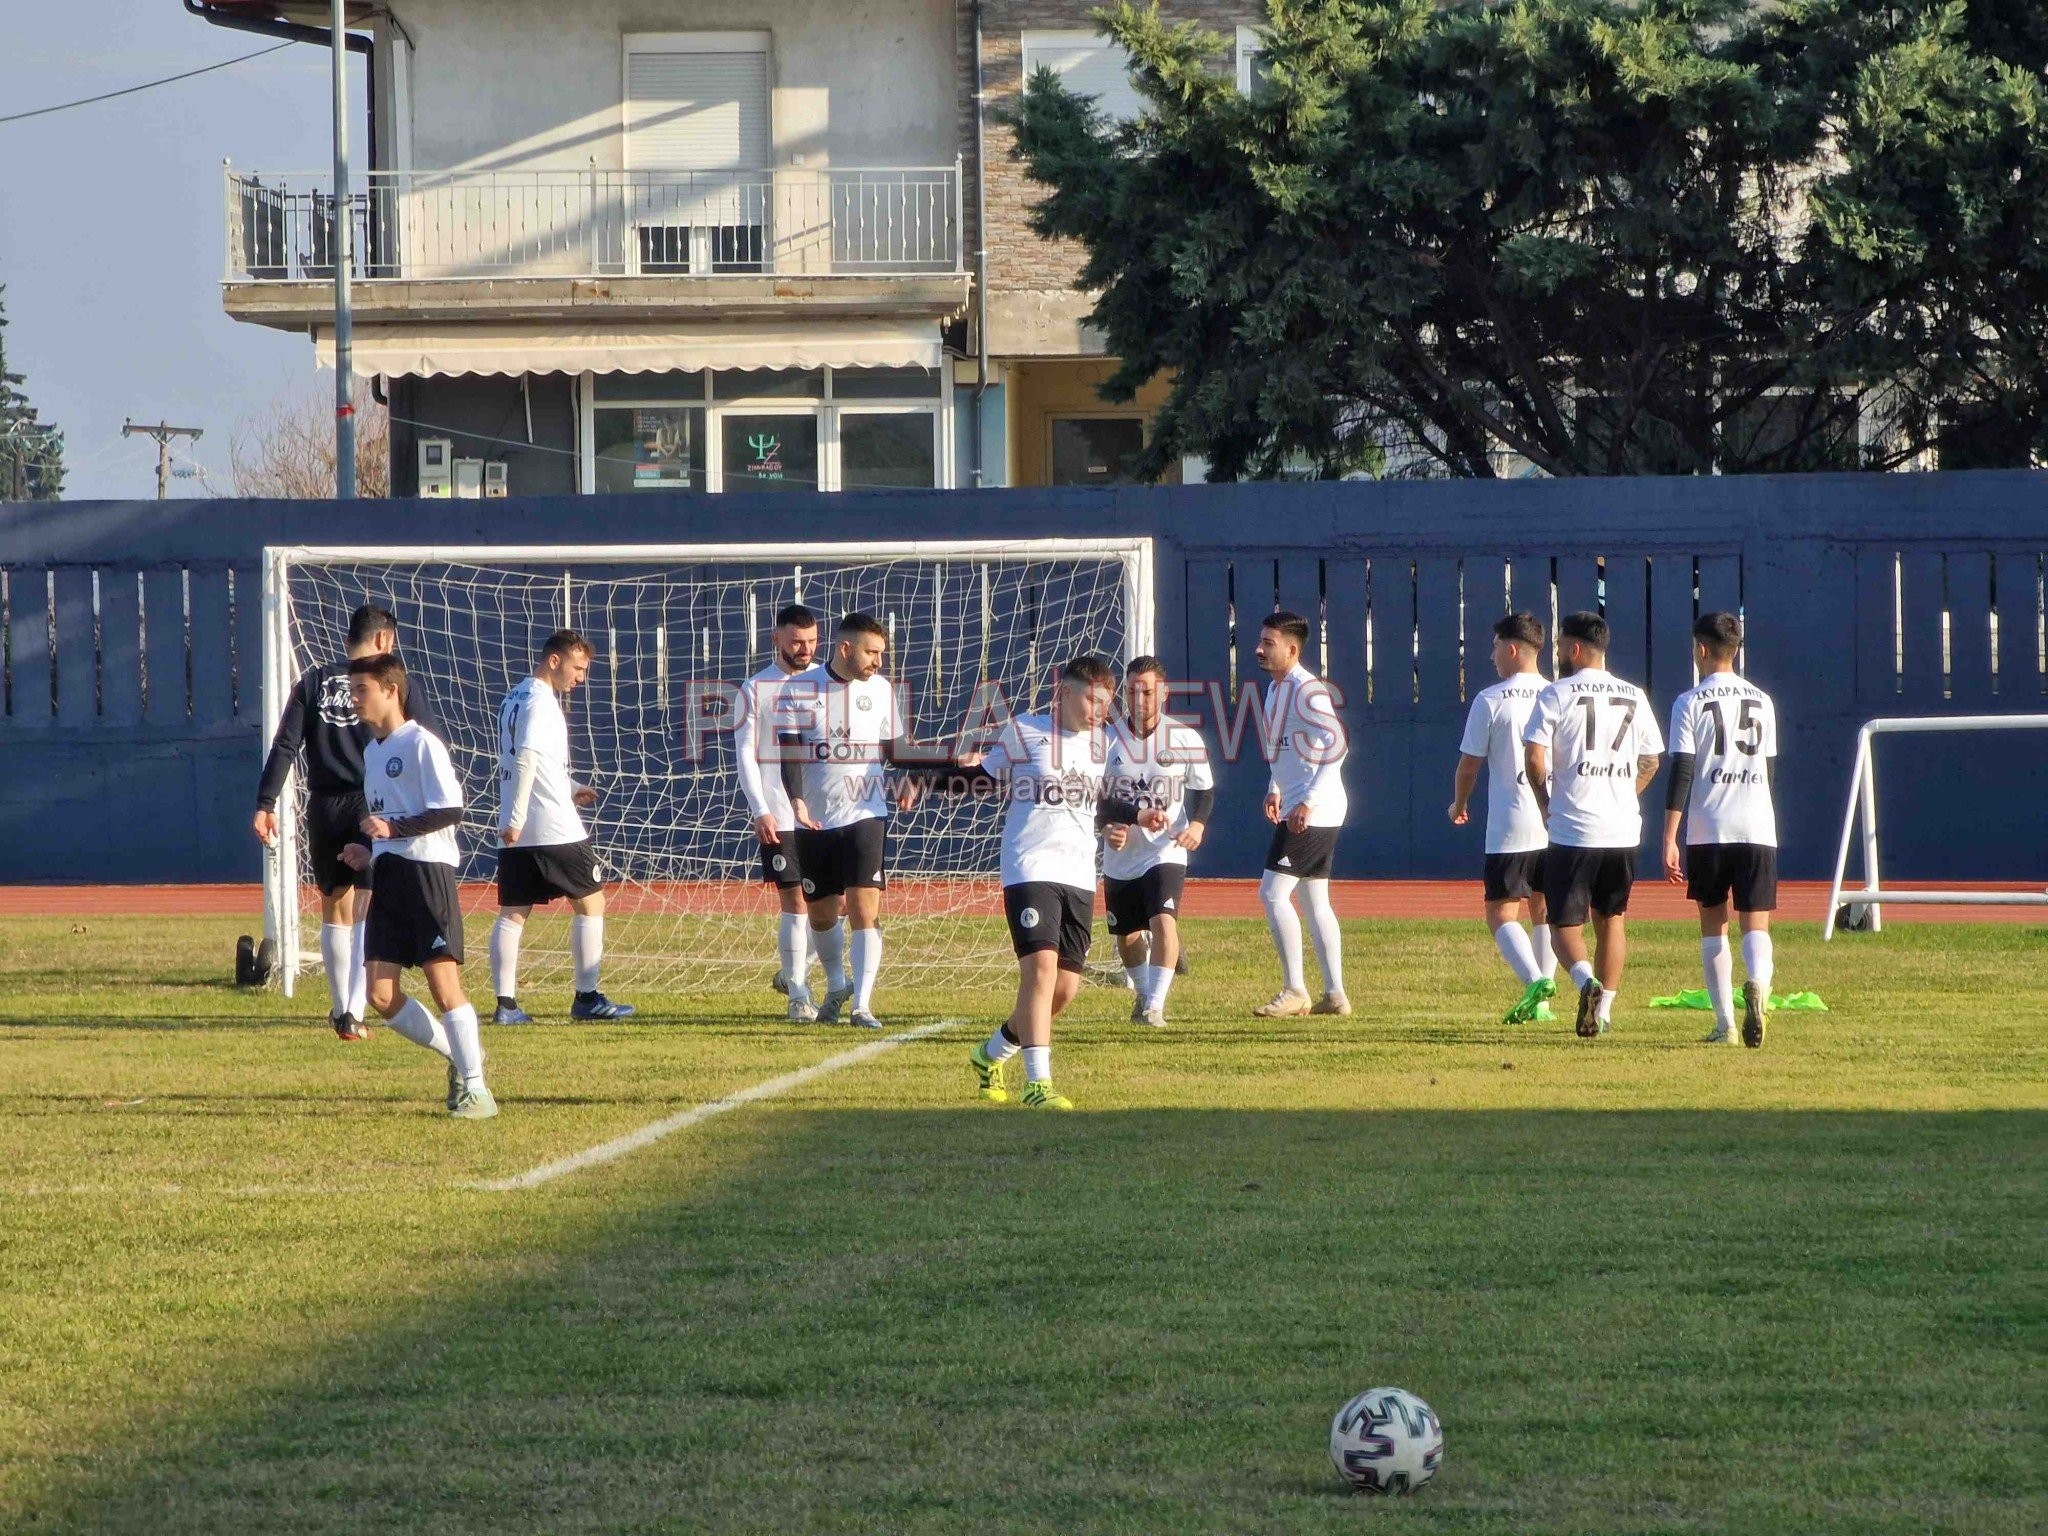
[784, 222]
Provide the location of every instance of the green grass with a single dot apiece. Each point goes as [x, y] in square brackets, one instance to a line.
[1648, 1285]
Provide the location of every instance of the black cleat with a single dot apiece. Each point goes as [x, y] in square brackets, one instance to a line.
[1753, 1004]
[348, 1027]
[1589, 1010]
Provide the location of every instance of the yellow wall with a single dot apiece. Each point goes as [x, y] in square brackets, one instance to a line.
[1039, 391]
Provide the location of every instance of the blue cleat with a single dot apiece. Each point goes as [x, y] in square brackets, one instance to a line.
[595, 1005]
[511, 1013]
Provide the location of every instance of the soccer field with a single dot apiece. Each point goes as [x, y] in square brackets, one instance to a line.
[1647, 1284]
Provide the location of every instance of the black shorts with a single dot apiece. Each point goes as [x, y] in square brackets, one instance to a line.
[781, 865]
[1514, 876]
[839, 858]
[533, 877]
[332, 823]
[1130, 905]
[415, 912]
[1047, 916]
[1747, 870]
[1306, 855]
[1582, 882]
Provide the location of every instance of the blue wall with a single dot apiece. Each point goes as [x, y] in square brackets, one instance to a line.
[1848, 583]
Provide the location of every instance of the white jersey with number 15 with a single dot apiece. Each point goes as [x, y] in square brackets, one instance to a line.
[1731, 729]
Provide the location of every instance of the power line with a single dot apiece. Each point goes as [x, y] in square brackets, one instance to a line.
[147, 85]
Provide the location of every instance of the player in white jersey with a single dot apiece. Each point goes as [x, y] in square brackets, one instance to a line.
[1306, 803]
[414, 804]
[1054, 771]
[794, 645]
[546, 850]
[1154, 760]
[1515, 836]
[844, 726]
[1591, 748]
[1724, 759]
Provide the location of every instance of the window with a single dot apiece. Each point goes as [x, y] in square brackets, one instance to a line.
[1087, 65]
[1251, 59]
[888, 450]
[766, 429]
[1095, 450]
[698, 147]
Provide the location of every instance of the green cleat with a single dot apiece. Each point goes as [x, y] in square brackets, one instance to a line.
[989, 1072]
[474, 1104]
[1544, 1014]
[1041, 1096]
[1533, 1003]
[1755, 1001]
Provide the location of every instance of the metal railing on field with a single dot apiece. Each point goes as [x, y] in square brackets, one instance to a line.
[781, 221]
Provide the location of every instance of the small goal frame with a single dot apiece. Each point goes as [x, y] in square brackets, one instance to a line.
[281, 861]
[1863, 807]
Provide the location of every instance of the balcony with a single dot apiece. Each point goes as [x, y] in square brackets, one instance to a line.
[622, 244]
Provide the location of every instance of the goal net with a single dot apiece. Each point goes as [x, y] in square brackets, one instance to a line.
[676, 629]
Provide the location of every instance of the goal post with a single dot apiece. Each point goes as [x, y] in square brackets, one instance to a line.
[1859, 823]
[678, 628]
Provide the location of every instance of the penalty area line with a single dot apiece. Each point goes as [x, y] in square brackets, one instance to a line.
[647, 1135]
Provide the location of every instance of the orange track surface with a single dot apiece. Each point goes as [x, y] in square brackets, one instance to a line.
[1800, 901]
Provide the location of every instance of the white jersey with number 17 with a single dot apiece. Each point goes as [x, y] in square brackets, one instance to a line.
[1595, 726]
[1731, 729]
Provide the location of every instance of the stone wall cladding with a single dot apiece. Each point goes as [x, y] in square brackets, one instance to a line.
[1018, 259]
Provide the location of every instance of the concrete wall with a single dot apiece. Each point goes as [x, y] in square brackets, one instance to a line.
[534, 83]
[107, 782]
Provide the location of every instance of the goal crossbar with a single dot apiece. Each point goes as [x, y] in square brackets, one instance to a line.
[1862, 808]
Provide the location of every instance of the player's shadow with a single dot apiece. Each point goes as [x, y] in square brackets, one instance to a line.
[990, 1320]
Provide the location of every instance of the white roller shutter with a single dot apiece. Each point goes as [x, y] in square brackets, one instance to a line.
[697, 111]
[1088, 66]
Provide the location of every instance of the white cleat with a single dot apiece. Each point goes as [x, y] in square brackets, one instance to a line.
[801, 1009]
[863, 1019]
[1286, 1004]
[1153, 1017]
[1721, 1034]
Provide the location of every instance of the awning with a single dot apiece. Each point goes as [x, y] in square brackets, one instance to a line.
[425, 351]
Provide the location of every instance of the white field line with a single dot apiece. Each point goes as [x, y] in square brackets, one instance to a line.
[647, 1135]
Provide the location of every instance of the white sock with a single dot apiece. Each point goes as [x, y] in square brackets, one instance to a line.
[1606, 1011]
[793, 950]
[465, 1048]
[1540, 946]
[1037, 1063]
[359, 970]
[1323, 929]
[1513, 944]
[1155, 979]
[1719, 967]
[505, 936]
[1135, 975]
[1581, 974]
[830, 943]
[1276, 893]
[586, 950]
[336, 940]
[867, 965]
[1001, 1047]
[419, 1026]
[1758, 959]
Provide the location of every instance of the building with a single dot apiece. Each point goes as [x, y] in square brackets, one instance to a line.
[718, 245]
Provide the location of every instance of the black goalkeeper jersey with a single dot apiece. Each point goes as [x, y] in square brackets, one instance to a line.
[320, 719]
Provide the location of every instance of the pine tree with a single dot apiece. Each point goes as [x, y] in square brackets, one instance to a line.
[1593, 236]
[31, 452]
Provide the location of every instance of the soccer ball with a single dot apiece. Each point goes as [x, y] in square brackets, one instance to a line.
[1386, 1440]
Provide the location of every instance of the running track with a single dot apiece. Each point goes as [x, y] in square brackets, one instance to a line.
[1799, 901]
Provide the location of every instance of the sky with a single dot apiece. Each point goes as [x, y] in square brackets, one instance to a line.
[112, 235]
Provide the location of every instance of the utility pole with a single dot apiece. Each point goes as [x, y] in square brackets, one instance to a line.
[344, 258]
[163, 432]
